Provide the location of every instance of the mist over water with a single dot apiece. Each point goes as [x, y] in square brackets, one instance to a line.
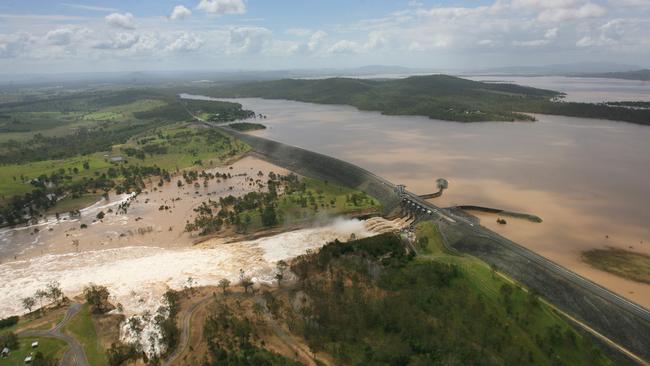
[587, 179]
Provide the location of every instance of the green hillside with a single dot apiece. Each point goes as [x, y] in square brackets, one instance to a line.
[435, 96]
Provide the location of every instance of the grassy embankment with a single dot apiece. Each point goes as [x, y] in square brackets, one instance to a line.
[624, 263]
[435, 96]
[81, 327]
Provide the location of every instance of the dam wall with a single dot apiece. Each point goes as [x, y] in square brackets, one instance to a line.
[323, 167]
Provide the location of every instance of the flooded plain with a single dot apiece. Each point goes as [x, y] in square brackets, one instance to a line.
[589, 90]
[587, 179]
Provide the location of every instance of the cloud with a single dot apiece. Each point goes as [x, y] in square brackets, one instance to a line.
[588, 10]
[60, 36]
[119, 41]
[180, 12]
[186, 42]
[222, 6]
[344, 47]
[248, 39]
[89, 7]
[14, 45]
[300, 32]
[118, 20]
[311, 46]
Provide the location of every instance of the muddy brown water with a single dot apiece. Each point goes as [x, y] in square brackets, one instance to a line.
[588, 179]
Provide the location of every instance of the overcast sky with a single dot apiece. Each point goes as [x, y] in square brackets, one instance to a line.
[53, 36]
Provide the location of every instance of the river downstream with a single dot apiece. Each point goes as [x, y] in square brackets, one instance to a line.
[587, 179]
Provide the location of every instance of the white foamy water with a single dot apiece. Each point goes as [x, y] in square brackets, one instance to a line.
[138, 276]
[50, 221]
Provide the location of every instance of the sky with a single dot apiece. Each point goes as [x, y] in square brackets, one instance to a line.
[50, 36]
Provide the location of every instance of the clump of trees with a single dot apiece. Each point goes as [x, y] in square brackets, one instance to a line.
[52, 293]
[97, 297]
[236, 211]
[231, 342]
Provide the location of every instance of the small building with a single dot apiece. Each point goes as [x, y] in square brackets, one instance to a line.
[116, 159]
[34, 344]
[28, 360]
[5, 352]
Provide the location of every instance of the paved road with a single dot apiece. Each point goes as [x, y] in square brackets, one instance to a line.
[75, 355]
[185, 330]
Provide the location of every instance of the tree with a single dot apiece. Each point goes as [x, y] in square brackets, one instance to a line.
[28, 303]
[9, 340]
[190, 284]
[281, 267]
[100, 215]
[54, 291]
[40, 295]
[247, 283]
[224, 283]
[97, 297]
[269, 216]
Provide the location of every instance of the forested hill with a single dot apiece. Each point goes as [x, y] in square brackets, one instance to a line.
[643, 75]
[435, 96]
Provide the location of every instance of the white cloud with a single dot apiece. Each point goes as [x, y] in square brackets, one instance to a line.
[180, 12]
[119, 41]
[185, 42]
[344, 47]
[588, 10]
[14, 45]
[312, 45]
[248, 39]
[60, 36]
[89, 7]
[300, 32]
[222, 6]
[125, 20]
[551, 33]
[630, 2]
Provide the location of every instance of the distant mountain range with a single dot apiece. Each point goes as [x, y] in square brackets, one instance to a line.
[643, 75]
[609, 70]
[559, 69]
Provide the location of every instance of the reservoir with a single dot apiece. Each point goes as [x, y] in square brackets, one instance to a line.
[588, 179]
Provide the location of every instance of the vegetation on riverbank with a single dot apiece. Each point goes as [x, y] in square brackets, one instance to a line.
[288, 199]
[247, 126]
[435, 96]
[624, 263]
[154, 147]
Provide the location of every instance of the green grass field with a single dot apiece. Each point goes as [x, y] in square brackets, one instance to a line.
[537, 320]
[49, 347]
[82, 328]
[10, 186]
[182, 152]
